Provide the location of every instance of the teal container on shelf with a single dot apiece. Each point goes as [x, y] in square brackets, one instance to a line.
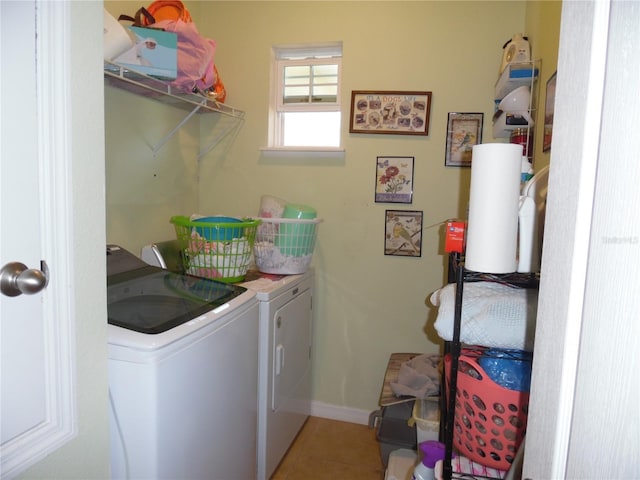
[297, 239]
[218, 228]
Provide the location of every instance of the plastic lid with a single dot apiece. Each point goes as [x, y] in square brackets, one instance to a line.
[432, 451]
[295, 210]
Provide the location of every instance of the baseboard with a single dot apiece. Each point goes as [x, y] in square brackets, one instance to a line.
[337, 412]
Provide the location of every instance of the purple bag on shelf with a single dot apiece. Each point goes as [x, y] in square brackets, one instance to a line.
[196, 72]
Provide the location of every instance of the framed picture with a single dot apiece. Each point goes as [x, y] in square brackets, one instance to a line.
[391, 112]
[394, 179]
[403, 233]
[548, 112]
[464, 130]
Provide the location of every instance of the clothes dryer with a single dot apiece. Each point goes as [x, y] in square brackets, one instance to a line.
[285, 339]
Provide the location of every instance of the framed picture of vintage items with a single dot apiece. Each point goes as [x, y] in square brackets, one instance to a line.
[390, 112]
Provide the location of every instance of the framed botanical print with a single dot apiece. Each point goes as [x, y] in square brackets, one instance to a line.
[394, 180]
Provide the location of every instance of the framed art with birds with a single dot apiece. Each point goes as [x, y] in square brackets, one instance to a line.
[403, 233]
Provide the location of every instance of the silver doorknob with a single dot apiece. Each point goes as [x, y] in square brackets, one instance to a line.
[16, 279]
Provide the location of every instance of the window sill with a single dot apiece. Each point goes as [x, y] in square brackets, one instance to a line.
[310, 152]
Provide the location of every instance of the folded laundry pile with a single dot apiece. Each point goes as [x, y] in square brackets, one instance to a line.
[418, 377]
[213, 259]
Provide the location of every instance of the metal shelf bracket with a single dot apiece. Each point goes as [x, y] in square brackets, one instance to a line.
[143, 85]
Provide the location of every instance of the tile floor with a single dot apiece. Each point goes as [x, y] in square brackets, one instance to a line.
[332, 450]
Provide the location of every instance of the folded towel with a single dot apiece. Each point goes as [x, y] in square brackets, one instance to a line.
[493, 315]
[418, 377]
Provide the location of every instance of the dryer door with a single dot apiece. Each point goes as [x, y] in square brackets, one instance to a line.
[292, 353]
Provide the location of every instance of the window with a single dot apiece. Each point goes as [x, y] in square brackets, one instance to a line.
[305, 101]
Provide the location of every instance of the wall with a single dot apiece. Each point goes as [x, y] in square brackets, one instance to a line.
[86, 457]
[543, 27]
[367, 305]
[145, 188]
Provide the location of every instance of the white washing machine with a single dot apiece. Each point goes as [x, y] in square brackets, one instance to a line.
[284, 389]
[285, 336]
[183, 374]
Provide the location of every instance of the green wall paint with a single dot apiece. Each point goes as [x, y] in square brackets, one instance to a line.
[367, 305]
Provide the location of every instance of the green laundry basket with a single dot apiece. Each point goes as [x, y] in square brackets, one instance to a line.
[220, 248]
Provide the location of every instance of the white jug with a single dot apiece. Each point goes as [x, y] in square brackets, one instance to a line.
[531, 221]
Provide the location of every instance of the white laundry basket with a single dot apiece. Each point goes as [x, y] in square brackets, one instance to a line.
[285, 245]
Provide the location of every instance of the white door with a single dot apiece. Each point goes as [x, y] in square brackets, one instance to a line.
[36, 408]
[583, 415]
[22, 339]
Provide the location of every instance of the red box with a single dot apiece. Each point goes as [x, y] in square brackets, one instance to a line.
[454, 236]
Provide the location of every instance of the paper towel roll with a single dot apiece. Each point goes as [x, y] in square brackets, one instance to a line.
[492, 231]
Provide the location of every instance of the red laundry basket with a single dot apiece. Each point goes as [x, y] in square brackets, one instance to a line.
[490, 421]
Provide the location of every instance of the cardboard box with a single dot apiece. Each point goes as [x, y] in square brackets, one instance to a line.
[454, 236]
[155, 53]
[402, 462]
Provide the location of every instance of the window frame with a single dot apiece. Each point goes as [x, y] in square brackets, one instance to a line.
[313, 54]
[305, 107]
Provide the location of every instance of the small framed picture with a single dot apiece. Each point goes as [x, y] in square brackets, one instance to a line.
[464, 130]
[549, 104]
[391, 112]
[403, 233]
[394, 179]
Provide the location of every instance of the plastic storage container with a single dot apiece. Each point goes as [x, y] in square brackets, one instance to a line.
[401, 464]
[285, 245]
[490, 421]
[216, 247]
[426, 414]
[394, 431]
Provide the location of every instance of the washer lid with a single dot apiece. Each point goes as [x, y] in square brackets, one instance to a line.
[152, 300]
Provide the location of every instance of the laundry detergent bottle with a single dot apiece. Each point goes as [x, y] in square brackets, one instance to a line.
[432, 452]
